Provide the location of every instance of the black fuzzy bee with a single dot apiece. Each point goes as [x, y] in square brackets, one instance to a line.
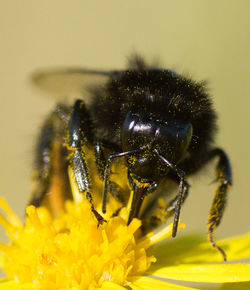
[157, 123]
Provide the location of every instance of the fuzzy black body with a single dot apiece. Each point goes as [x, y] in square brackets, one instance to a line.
[157, 124]
[161, 95]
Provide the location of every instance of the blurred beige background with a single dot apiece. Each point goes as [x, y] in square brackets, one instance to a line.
[208, 39]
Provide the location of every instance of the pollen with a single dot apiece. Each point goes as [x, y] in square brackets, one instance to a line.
[72, 251]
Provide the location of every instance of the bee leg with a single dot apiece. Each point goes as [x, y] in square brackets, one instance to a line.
[100, 159]
[107, 174]
[159, 213]
[183, 187]
[138, 196]
[51, 183]
[79, 128]
[101, 165]
[172, 205]
[42, 163]
[224, 177]
[80, 169]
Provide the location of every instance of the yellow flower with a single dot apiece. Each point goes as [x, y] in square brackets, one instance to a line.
[73, 252]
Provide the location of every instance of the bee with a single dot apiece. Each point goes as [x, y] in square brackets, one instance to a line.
[156, 123]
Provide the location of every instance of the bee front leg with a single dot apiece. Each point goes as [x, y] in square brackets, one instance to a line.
[107, 175]
[172, 205]
[79, 128]
[100, 159]
[183, 187]
[80, 169]
[100, 148]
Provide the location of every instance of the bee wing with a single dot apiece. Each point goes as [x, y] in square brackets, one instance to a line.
[69, 83]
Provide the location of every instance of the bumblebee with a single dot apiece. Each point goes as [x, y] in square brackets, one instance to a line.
[157, 124]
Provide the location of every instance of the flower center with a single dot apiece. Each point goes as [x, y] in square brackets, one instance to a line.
[72, 251]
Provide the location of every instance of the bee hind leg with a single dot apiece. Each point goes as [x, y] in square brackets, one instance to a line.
[50, 175]
[224, 177]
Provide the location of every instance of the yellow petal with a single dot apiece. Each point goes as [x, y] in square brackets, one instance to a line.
[12, 217]
[151, 283]
[14, 285]
[213, 273]
[112, 286]
[233, 286]
[236, 247]
[163, 234]
[196, 249]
